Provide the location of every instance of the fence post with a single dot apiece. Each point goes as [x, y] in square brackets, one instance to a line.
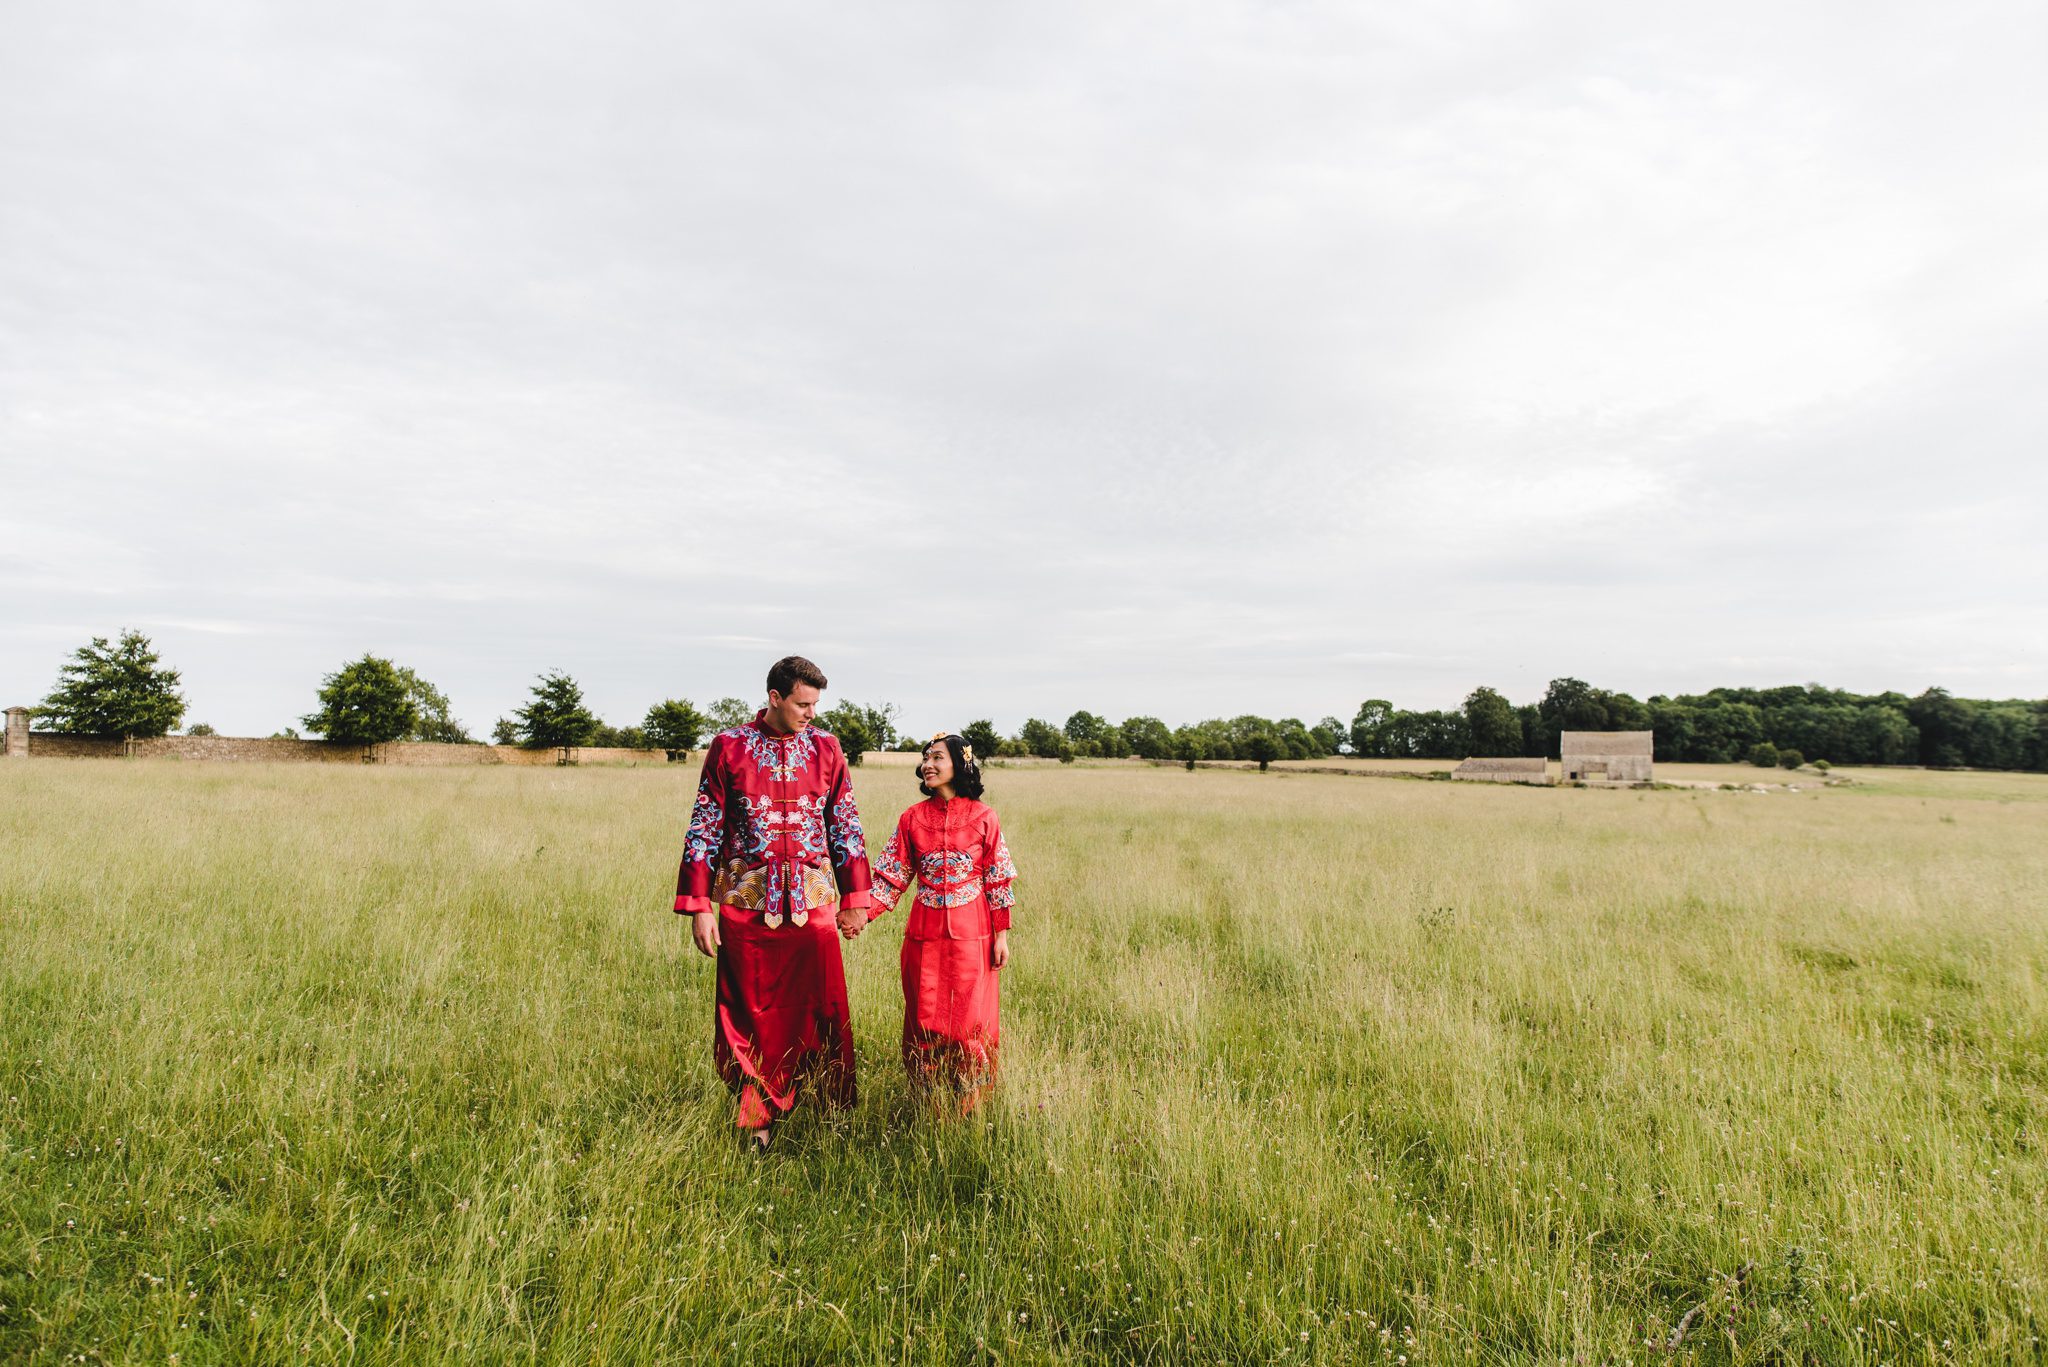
[17, 733]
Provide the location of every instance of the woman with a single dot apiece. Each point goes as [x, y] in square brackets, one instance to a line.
[958, 935]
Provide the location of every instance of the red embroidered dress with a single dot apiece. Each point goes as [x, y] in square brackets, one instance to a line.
[954, 851]
[774, 846]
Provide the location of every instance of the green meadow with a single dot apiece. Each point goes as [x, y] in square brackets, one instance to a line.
[322, 1064]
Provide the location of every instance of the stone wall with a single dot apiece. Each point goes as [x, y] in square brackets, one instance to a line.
[279, 750]
[17, 733]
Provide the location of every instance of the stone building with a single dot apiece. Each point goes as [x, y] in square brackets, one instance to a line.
[1504, 770]
[1606, 756]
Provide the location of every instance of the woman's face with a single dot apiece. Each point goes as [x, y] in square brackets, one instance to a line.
[937, 768]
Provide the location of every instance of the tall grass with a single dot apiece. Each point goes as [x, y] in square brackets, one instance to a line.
[310, 1065]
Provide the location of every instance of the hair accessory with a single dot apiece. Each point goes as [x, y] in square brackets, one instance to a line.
[966, 746]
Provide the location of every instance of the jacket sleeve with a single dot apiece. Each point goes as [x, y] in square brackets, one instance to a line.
[706, 840]
[997, 883]
[892, 870]
[843, 837]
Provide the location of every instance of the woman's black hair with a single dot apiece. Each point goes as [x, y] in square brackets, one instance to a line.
[966, 771]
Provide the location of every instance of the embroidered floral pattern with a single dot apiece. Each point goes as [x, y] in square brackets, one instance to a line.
[774, 828]
[891, 875]
[1000, 869]
[782, 756]
[707, 825]
[952, 875]
[781, 827]
[844, 832]
[945, 878]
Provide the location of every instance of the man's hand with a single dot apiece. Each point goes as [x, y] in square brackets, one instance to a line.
[852, 920]
[999, 952]
[704, 930]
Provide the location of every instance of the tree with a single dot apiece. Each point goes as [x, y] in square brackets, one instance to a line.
[1085, 730]
[364, 702]
[435, 717]
[1296, 740]
[556, 715]
[1570, 705]
[609, 737]
[675, 726]
[1943, 722]
[1148, 738]
[1491, 722]
[118, 690]
[200, 728]
[1332, 737]
[727, 713]
[983, 736]
[504, 731]
[1763, 755]
[1790, 759]
[1368, 728]
[860, 729]
[1189, 745]
[1045, 740]
[1263, 745]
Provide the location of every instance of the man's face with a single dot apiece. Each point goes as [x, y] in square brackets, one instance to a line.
[792, 711]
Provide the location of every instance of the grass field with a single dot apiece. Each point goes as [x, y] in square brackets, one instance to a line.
[315, 1064]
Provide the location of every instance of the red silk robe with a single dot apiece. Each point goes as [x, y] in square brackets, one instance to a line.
[954, 851]
[775, 847]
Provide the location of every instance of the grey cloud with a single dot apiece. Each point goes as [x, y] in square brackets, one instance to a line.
[1186, 359]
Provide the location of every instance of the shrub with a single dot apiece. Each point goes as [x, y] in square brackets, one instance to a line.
[1764, 755]
[1790, 759]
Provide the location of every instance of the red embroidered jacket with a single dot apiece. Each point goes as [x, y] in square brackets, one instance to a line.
[955, 851]
[774, 828]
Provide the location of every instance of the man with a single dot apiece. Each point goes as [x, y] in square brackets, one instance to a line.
[773, 861]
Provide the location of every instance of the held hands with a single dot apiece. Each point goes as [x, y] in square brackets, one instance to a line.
[852, 920]
[999, 952]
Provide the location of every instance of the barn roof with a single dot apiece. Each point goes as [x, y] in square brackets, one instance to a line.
[1506, 765]
[1596, 743]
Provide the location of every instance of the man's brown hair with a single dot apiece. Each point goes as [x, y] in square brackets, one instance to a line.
[791, 670]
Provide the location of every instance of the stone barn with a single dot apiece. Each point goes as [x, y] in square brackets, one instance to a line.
[1606, 756]
[1503, 770]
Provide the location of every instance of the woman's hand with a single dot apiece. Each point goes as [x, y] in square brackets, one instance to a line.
[1000, 950]
[704, 930]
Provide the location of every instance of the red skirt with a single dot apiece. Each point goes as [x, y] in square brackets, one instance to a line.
[951, 1015]
[782, 1024]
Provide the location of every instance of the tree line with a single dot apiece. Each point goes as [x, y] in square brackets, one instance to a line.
[125, 689]
[1727, 725]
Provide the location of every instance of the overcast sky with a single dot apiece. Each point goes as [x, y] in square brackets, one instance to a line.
[1185, 359]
